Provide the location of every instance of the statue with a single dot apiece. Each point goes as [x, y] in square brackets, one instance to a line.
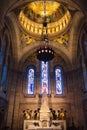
[44, 111]
[26, 114]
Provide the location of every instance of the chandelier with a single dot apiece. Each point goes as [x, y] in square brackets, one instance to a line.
[45, 52]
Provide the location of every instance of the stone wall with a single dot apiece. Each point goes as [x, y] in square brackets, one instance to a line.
[71, 101]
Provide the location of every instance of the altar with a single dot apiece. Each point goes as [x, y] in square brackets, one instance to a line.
[38, 125]
[43, 118]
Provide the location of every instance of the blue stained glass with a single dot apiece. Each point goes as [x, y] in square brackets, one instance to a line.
[4, 77]
[44, 77]
[58, 77]
[31, 81]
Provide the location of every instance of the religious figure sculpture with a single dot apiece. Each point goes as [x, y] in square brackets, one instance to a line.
[44, 111]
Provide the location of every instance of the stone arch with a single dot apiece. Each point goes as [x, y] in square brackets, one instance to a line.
[77, 24]
[34, 48]
[83, 42]
[14, 35]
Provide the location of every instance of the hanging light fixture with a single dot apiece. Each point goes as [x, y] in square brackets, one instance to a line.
[45, 53]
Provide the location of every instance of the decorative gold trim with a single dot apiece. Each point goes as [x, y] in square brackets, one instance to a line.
[26, 39]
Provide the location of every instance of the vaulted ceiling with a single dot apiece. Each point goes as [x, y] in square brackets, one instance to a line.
[25, 43]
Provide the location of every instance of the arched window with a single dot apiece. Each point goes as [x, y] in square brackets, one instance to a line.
[44, 77]
[58, 80]
[30, 80]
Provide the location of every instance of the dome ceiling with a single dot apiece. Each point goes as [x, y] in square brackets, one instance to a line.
[32, 17]
[51, 10]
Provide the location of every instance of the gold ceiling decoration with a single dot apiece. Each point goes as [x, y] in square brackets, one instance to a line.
[63, 39]
[26, 39]
[51, 10]
[38, 7]
[57, 17]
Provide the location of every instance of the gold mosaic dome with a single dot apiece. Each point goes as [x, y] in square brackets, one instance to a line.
[33, 15]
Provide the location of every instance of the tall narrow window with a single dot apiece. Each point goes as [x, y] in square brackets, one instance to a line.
[44, 77]
[58, 78]
[31, 73]
[4, 75]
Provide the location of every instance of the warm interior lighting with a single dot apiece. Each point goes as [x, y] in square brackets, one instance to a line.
[44, 20]
[57, 17]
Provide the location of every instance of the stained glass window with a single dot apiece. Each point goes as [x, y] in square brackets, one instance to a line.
[31, 73]
[4, 75]
[58, 78]
[44, 77]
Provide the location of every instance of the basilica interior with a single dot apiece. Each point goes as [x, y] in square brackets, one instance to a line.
[43, 51]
